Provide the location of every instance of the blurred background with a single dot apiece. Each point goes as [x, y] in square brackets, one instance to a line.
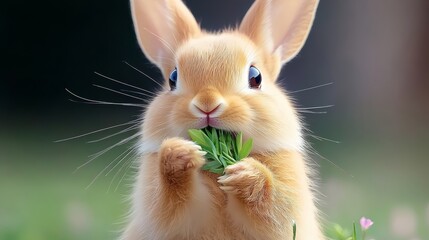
[370, 59]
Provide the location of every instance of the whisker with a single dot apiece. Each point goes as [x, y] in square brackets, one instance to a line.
[104, 169]
[118, 92]
[313, 151]
[133, 127]
[155, 132]
[316, 107]
[323, 138]
[313, 112]
[129, 150]
[119, 170]
[125, 84]
[100, 153]
[123, 141]
[138, 70]
[109, 103]
[92, 101]
[98, 130]
[139, 93]
[123, 176]
[310, 88]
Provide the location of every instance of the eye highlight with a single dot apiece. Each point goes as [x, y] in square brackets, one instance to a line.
[255, 78]
[173, 79]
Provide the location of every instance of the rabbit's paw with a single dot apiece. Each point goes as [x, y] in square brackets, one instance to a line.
[179, 155]
[249, 180]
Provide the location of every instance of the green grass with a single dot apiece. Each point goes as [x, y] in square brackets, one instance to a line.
[41, 197]
[222, 148]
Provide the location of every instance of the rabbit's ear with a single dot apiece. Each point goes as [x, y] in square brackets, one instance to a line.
[161, 25]
[282, 26]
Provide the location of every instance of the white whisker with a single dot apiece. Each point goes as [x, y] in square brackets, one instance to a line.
[316, 107]
[310, 88]
[104, 169]
[129, 150]
[313, 151]
[118, 92]
[312, 112]
[119, 171]
[126, 84]
[323, 139]
[138, 70]
[108, 103]
[155, 132]
[123, 141]
[139, 93]
[98, 154]
[133, 127]
[123, 176]
[98, 130]
[92, 101]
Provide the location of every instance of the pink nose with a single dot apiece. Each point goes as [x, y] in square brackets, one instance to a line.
[208, 112]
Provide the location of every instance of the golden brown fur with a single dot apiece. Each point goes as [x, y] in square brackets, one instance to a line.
[258, 197]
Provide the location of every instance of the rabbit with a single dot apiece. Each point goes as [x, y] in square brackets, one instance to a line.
[225, 80]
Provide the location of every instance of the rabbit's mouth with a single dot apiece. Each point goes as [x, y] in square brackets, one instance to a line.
[204, 122]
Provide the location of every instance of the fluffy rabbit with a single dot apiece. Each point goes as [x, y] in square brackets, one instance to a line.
[225, 80]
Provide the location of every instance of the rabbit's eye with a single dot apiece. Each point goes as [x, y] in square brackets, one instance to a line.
[255, 78]
[173, 79]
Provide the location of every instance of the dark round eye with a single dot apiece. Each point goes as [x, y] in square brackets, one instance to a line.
[173, 79]
[255, 78]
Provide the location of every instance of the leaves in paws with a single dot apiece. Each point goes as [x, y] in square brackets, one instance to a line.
[222, 147]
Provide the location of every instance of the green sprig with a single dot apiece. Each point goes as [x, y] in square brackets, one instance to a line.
[222, 147]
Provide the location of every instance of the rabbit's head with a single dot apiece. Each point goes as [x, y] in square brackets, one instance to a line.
[225, 80]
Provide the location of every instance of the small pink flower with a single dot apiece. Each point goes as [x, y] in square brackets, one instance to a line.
[365, 223]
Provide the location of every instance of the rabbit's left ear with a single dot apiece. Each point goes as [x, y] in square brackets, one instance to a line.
[162, 25]
[282, 26]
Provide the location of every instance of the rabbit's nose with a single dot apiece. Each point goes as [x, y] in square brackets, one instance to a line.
[208, 102]
[208, 111]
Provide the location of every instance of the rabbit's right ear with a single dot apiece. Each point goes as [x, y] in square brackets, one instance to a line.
[161, 25]
[281, 26]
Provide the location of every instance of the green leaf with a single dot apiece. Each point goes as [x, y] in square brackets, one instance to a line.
[210, 156]
[211, 165]
[230, 160]
[239, 141]
[209, 143]
[223, 148]
[195, 135]
[222, 160]
[217, 171]
[245, 150]
[294, 230]
[198, 137]
[207, 132]
[354, 231]
[228, 139]
[215, 139]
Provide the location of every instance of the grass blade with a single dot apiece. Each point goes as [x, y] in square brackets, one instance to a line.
[354, 231]
[246, 148]
[294, 230]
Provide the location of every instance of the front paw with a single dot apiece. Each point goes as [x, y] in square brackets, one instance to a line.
[249, 180]
[178, 155]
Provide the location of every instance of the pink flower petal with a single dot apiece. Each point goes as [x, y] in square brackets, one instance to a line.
[365, 223]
